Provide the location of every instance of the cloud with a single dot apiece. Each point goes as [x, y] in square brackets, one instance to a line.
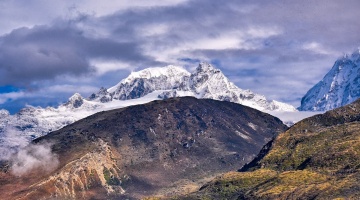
[32, 157]
[11, 96]
[11, 140]
[44, 53]
[318, 48]
[36, 12]
[66, 88]
[25, 156]
[105, 66]
[265, 46]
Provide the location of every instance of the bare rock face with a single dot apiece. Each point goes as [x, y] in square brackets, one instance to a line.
[163, 148]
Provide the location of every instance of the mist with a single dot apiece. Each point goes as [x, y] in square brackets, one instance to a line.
[24, 156]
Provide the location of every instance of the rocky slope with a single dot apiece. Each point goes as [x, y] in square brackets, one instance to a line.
[340, 86]
[317, 158]
[162, 148]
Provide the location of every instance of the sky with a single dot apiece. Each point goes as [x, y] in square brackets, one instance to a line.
[279, 48]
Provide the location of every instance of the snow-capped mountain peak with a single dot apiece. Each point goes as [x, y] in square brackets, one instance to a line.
[75, 101]
[340, 86]
[170, 71]
[206, 67]
[205, 82]
[140, 87]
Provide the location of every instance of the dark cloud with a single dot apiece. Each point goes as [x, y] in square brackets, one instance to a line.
[43, 53]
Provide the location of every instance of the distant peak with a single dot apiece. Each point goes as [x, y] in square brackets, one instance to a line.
[206, 67]
[4, 113]
[75, 101]
[156, 72]
[75, 96]
[351, 56]
[103, 91]
[356, 54]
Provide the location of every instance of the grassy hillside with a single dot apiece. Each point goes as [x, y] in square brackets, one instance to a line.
[318, 158]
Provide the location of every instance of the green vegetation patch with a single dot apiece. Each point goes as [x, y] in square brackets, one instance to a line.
[110, 178]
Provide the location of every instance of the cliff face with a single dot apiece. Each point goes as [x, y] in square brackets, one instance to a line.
[162, 148]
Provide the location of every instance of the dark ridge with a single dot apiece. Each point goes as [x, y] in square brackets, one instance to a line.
[254, 164]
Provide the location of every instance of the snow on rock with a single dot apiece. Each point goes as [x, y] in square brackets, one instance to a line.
[138, 88]
[143, 82]
[340, 86]
[75, 101]
[205, 82]
[168, 94]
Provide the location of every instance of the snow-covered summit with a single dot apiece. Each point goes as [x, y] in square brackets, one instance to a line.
[205, 82]
[170, 71]
[75, 101]
[340, 86]
[140, 87]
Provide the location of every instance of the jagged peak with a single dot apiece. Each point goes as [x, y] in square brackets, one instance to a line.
[338, 87]
[75, 97]
[103, 91]
[205, 67]
[170, 70]
[355, 55]
[151, 72]
[206, 81]
[75, 101]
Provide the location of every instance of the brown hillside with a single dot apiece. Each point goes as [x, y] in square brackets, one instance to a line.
[162, 148]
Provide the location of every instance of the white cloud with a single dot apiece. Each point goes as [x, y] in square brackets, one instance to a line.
[318, 48]
[153, 29]
[34, 156]
[11, 95]
[218, 43]
[24, 156]
[263, 32]
[69, 89]
[247, 39]
[237, 39]
[105, 66]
